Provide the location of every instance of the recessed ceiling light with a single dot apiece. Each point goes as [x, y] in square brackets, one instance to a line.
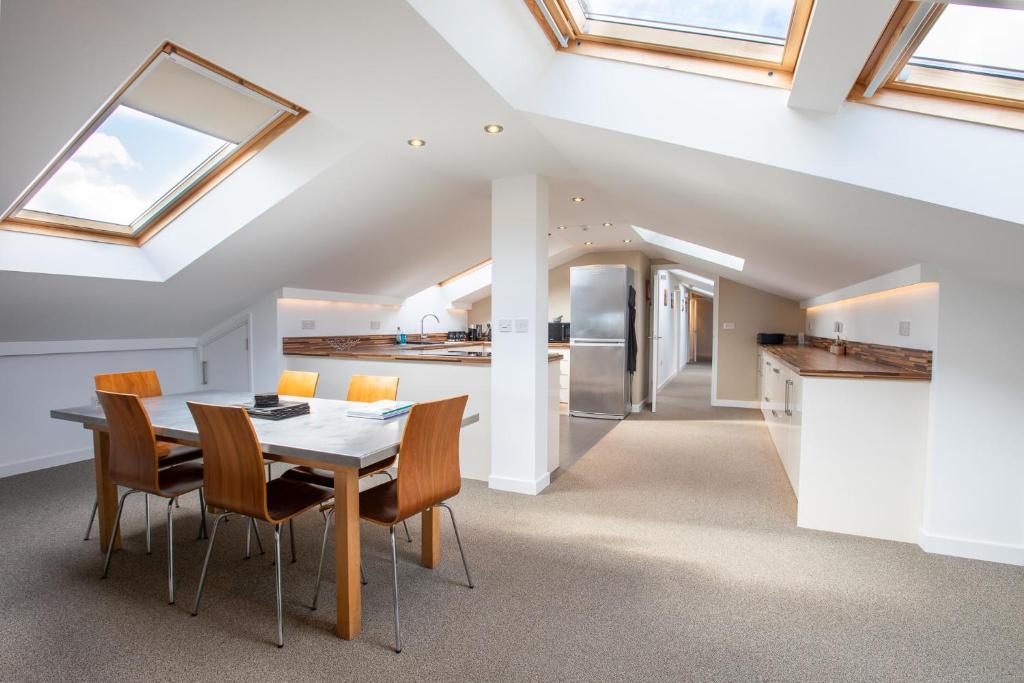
[607, 225]
[626, 241]
[493, 128]
[588, 243]
[562, 227]
[417, 142]
[577, 199]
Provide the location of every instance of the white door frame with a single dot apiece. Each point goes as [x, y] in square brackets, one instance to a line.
[227, 328]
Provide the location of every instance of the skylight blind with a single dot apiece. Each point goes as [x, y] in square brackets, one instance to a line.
[184, 96]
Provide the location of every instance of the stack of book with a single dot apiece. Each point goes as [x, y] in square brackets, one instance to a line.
[380, 410]
[282, 410]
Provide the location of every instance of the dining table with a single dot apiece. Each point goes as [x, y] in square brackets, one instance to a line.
[326, 438]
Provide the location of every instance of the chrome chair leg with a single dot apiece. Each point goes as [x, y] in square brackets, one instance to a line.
[291, 536]
[405, 525]
[202, 515]
[269, 475]
[277, 564]
[320, 568]
[459, 541]
[149, 533]
[92, 519]
[113, 531]
[394, 566]
[170, 551]
[206, 562]
[250, 528]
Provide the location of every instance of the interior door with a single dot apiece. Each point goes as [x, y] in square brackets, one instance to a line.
[225, 361]
[655, 342]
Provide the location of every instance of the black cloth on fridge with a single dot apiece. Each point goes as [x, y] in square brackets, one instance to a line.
[631, 341]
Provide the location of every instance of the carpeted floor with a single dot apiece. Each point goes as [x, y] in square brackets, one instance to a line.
[667, 551]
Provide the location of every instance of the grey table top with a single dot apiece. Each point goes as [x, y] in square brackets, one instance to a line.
[325, 437]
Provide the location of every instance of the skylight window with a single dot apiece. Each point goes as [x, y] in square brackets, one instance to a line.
[171, 134]
[968, 54]
[690, 249]
[760, 33]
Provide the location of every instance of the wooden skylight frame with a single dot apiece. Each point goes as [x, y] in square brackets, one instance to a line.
[950, 94]
[724, 57]
[188, 191]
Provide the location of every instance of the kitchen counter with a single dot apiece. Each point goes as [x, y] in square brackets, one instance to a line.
[447, 352]
[809, 361]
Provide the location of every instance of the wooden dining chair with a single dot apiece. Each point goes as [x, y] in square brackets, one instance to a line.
[361, 389]
[135, 463]
[428, 475]
[298, 383]
[144, 384]
[234, 482]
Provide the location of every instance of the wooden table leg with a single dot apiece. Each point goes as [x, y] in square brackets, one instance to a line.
[106, 489]
[346, 553]
[430, 550]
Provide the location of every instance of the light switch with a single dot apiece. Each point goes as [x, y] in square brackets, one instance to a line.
[505, 325]
[728, 326]
[522, 325]
[374, 324]
[309, 324]
[904, 328]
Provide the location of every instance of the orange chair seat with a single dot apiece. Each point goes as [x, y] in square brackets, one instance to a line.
[380, 503]
[319, 477]
[172, 454]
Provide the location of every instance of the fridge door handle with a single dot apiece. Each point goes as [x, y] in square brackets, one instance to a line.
[601, 343]
[597, 342]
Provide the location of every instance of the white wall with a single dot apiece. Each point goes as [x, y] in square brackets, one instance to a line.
[36, 383]
[340, 318]
[875, 318]
[667, 356]
[974, 500]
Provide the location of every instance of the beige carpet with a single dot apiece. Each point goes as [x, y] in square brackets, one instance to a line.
[667, 551]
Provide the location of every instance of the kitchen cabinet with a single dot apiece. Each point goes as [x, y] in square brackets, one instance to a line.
[853, 449]
[563, 375]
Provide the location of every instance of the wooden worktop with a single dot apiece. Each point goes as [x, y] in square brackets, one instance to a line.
[809, 361]
[426, 352]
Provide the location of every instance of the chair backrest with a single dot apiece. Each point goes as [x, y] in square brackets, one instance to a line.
[233, 474]
[370, 388]
[133, 451]
[428, 459]
[298, 383]
[142, 383]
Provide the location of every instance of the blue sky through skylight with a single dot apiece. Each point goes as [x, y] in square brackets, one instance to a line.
[757, 17]
[984, 36]
[123, 168]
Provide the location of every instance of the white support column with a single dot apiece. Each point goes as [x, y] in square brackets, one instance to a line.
[519, 307]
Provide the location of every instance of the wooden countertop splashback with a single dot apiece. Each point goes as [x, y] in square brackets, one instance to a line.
[813, 360]
[913, 360]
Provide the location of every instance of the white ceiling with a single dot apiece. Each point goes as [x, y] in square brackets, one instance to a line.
[389, 219]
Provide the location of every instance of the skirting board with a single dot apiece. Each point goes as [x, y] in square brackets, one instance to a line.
[729, 403]
[43, 462]
[975, 550]
[530, 488]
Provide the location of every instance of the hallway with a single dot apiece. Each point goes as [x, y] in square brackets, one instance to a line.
[668, 551]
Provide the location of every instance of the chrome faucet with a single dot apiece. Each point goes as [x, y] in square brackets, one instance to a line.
[423, 334]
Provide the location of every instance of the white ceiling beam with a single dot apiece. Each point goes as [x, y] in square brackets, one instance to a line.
[840, 37]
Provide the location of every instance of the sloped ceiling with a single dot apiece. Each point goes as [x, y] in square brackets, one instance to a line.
[391, 220]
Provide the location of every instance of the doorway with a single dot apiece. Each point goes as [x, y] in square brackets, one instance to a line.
[681, 323]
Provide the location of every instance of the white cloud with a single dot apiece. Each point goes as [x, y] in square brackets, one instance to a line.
[102, 149]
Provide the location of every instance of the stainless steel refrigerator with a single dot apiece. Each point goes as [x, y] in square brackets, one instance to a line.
[599, 315]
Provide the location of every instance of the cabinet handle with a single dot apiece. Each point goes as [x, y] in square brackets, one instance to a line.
[789, 383]
[774, 414]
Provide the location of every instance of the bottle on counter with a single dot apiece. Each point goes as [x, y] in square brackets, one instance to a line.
[399, 337]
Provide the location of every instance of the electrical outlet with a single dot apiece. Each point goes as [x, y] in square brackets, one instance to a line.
[728, 326]
[504, 325]
[309, 324]
[374, 324]
[904, 328]
[522, 325]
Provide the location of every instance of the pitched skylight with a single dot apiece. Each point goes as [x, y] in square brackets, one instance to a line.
[972, 49]
[690, 249]
[692, 276]
[179, 127]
